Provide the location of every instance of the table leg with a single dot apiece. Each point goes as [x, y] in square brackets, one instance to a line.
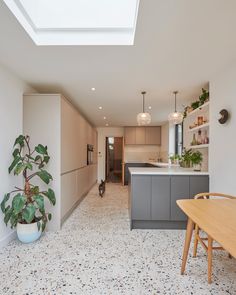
[188, 237]
[209, 258]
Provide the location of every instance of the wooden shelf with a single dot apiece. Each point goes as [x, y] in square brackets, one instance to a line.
[199, 127]
[199, 146]
[199, 109]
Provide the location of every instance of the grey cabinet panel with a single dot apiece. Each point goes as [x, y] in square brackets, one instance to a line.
[198, 184]
[153, 135]
[141, 197]
[140, 135]
[160, 209]
[179, 190]
[130, 135]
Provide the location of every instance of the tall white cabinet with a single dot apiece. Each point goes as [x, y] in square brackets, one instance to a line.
[52, 120]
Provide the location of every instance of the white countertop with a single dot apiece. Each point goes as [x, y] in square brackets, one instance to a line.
[165, 171]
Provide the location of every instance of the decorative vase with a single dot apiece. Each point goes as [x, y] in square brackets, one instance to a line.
[28, 233]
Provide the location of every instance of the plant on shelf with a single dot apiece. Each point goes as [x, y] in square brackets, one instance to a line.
[26, 211]
[196, 159]
[204, 97]
[175, 159]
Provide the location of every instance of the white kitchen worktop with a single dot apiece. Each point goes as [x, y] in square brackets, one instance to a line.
[165, 171]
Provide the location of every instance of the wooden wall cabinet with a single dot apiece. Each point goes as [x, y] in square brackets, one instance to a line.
[143, 135]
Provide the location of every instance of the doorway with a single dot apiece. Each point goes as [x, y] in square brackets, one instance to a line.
[114, 159]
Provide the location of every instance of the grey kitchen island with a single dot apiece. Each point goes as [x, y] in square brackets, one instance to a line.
[153, 193]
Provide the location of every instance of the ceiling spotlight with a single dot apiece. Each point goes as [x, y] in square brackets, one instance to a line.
[100, 108]
[93, 88]
[104, 118]
[149, 107]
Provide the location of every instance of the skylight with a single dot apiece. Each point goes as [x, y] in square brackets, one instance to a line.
[77, 22]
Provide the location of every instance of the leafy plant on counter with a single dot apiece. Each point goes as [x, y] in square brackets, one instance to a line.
[196, 158]
[27, 205]
[174, 158]
[186, 158]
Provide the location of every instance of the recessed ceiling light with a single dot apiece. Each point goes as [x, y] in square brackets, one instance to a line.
[93, 89]
[150, 107]
[104, 118]
[100, 108]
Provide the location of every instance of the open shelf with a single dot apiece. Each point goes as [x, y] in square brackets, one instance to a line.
[199, 146]
[199, 127]
[199, 109]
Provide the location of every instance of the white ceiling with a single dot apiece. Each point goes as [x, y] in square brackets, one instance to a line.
[179, 45]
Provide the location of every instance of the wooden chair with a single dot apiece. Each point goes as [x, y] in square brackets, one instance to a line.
[197, 238]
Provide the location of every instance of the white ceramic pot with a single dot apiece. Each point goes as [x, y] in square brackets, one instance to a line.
[28, 233]
[197, 167]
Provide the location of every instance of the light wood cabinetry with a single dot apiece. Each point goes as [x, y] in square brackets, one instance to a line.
[130, 135]
[143, 135]
[153, 135]
[140, 135]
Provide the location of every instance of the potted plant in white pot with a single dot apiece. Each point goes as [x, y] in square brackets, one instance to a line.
[196, 159]
[24, 208]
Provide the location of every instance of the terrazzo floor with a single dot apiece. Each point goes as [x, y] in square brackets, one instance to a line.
[96, 253]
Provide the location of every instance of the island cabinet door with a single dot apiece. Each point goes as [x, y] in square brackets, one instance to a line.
[160, 209]
[199, 184]
[179, 190]
[141, 197]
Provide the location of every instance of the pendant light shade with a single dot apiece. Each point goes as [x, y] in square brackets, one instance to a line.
[176, 117]
[143, 118]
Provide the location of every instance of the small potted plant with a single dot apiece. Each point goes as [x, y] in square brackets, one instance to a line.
[196, 159]
[174, 159]
[186, 158]
[26, 211]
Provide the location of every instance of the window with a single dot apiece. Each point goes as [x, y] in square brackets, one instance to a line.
[179, 139]
[77, 22]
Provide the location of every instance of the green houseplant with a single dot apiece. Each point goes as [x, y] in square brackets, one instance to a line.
[175, 159]
[196, 159]
[26, 211]
[186, 158]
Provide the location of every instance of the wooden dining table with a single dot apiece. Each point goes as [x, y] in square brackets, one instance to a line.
[215, 217]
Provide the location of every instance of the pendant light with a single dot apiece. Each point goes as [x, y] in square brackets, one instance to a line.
[176, 117]
[143, 118]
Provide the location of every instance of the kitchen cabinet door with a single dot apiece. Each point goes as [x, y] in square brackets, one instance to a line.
[130, 135]
[153, 135]
[160, 209]
[141, 197]
[140, 133]
[179, 190]
[199, 184]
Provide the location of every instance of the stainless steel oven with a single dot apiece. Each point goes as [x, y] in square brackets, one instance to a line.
[89, 154]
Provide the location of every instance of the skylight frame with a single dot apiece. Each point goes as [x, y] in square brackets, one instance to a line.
[73, 35]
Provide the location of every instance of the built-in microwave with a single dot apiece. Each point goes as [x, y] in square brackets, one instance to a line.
[89, 154]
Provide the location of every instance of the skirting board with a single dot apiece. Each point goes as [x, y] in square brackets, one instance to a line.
[64, 218]
[7, 239]
[146, 224]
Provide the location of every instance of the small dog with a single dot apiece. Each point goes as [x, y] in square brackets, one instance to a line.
[101, 188]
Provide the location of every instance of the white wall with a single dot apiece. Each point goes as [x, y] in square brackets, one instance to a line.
[104, 132]
[42, 123]
[222, 137]
[165, 142]
[11, 98]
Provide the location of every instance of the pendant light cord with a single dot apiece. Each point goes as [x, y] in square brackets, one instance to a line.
[143, 93]
[175, 93]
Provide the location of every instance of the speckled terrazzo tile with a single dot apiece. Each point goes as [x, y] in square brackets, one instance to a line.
[96, 253]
